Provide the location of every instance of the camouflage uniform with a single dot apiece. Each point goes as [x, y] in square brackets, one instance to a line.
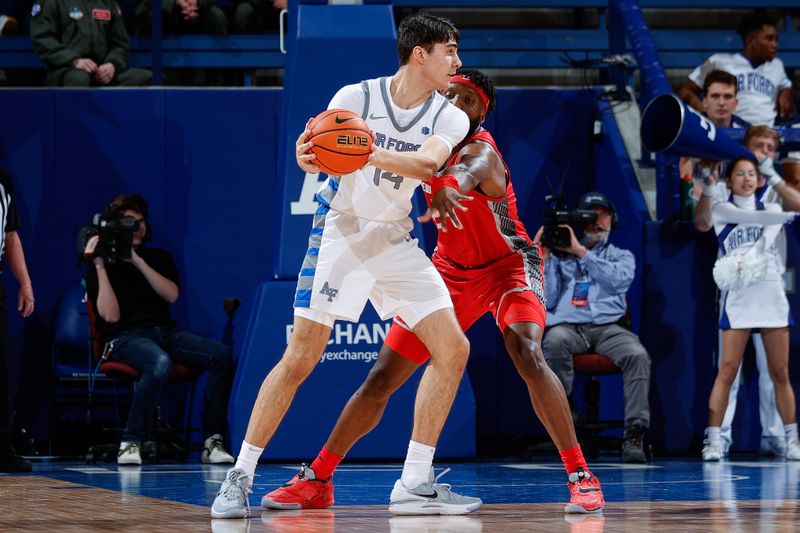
[65, 30]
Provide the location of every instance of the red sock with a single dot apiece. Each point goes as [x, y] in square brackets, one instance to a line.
[325, 463]
[572, 459]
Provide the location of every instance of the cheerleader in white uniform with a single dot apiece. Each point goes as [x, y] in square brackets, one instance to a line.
[753, 296]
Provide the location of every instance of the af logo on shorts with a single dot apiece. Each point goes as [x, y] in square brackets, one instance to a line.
[329, 291]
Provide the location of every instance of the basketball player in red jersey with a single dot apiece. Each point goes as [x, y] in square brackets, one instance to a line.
[489, 265]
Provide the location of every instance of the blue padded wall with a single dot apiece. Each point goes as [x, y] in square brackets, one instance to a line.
[207, 160]
[346, 361]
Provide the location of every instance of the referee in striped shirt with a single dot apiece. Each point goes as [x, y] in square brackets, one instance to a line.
[11, 254]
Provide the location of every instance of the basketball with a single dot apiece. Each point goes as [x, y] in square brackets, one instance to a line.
[342, 141]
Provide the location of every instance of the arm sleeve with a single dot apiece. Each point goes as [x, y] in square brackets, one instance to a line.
[552, 282]
[452, 126]
[162, 262]
[614, 273]
[350, 97]
[46, 37]
[118, 41]
[785, 82]
[727, 213]
[92, 287]
[698, 75]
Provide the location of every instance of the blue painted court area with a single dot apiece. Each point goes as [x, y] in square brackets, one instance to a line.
[746, 478]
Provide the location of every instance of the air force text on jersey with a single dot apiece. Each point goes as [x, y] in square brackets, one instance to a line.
[307, 204]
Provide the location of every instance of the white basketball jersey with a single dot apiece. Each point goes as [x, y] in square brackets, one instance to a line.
[370, 192]
[758, 87]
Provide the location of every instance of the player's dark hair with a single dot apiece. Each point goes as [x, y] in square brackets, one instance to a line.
[425, 30]
[753, 22]
[481, 80]
[720, 76]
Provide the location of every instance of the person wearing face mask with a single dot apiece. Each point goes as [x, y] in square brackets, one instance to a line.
[753, 297]
[585, 287]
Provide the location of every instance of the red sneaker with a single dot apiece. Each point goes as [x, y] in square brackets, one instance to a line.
[585, 494]
[304, 491]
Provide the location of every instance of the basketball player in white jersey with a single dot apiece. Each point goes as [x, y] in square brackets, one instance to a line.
[762, 141]
[360, 249]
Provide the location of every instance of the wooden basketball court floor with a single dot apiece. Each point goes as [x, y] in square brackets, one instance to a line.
[743, 494]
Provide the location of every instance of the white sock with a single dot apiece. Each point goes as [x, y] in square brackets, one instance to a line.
[791, 431]
[418, 463]
[248, 459]
[712, 433]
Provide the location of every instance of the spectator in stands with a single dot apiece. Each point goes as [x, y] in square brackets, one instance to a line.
[749, 274]
[183, 16]
[84, 44]
[132, 299]
[719, 103]
[15, 259]
[257, 16]
[586, 285]
[762, 141]
[765, 91]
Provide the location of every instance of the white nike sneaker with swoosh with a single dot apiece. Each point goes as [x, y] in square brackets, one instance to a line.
[430, 498]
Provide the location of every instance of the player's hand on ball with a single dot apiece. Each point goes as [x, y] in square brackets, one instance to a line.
[304, 158]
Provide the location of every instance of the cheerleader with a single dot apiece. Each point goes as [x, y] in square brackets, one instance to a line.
[749, 275]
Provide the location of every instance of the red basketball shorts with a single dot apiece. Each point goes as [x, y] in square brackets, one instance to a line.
[511, 289]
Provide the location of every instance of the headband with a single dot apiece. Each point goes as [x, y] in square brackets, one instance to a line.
[463, 80]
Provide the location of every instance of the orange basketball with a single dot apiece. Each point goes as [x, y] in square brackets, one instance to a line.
[342, 141]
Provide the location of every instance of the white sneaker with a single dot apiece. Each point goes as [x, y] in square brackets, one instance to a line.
[232, 496]
[712, 450]
[129, 453]
[214, 452]
[430, 498]
[775, 446]
[792, 450]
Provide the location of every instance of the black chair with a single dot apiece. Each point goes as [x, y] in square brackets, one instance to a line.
[594, 365]
[166, 442]
[79, 391]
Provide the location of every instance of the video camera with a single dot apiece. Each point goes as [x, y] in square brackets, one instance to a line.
[556, 213]
[116, 237]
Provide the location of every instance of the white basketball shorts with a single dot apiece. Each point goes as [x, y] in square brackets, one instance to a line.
[351, 260]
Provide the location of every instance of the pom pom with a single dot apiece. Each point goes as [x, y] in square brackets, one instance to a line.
[734, 272]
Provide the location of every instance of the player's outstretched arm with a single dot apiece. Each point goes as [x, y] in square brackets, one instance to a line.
[478, 164]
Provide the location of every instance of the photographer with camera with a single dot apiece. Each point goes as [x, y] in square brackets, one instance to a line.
[586, 283]
[132, 287]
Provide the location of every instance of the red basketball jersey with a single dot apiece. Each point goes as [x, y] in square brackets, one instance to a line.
[492, 228]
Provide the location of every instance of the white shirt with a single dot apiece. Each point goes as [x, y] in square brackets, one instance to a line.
[758, 87]
[752, 229]
[370, 192]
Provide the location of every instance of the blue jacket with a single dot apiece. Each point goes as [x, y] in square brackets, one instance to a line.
[609, 272]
